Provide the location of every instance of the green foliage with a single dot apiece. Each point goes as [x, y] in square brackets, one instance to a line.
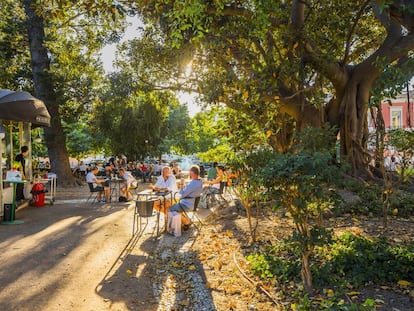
[79, 139]
[133, 125]
[403, 141]
[279, 263]
[371, 201]
[403, 201]
[204, 133]
[300, 182]
[14, 54]
[305, 304]
[348, 262]
[357, 260]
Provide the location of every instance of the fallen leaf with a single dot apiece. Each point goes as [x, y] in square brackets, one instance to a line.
[231, 305]
[229, 233]
[184, 302]
[403, 283]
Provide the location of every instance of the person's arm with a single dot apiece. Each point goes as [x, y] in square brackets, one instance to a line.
[217, 180]
[193, 186]
[159, 184]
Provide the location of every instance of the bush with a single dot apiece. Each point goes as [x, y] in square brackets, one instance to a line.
[350, 261]
[357, 260]
[371, 201]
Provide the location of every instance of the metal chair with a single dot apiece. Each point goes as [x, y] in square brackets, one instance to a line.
[194, 214]
[144, 208]
[212, 196]
[93, 191]
[231, 189]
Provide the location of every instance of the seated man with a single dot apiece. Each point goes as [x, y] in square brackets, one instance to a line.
[91, 179]
[165, 182]
[188, 194]
[131, 183]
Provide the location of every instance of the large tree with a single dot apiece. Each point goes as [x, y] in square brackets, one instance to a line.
[63, 39]
[290, 64]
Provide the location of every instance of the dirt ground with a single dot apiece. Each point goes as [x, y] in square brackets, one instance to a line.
[78, 256]
[75, 256]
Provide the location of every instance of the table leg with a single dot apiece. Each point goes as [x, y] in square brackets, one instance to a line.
[166, 215]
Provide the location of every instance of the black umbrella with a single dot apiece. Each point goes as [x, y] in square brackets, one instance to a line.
[21, 106]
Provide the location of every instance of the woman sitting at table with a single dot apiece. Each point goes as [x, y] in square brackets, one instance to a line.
[214, 185]
[131, 183]
[165, 182]
[92, 179]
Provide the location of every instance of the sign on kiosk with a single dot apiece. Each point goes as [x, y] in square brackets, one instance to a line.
[13, 176]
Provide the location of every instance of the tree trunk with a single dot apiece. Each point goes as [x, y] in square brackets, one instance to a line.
[351, 119]
[306, 272]
[44, 90]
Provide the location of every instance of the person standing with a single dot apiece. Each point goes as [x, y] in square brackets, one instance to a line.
[22, 167]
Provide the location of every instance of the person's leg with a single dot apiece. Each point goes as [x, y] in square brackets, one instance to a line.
[100, 191]
[99, 197]
[181, 209]
[123, 191]
[159, 206]
[175, 208]
[107, 194]
[19, 192]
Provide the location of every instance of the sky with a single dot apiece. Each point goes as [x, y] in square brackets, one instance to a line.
[108, 56]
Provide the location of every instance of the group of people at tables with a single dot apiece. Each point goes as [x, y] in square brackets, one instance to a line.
[103, 185]
[167, 182]
[188, 192]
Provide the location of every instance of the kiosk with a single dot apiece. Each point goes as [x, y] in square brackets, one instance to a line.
[28, 111]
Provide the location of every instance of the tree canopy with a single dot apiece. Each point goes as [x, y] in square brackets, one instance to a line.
[289, 64]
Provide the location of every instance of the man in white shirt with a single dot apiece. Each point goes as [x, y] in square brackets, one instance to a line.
[91, 179]
[165, 182]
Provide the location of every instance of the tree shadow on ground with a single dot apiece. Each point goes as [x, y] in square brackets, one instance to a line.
[129, 278]
[34, 251]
